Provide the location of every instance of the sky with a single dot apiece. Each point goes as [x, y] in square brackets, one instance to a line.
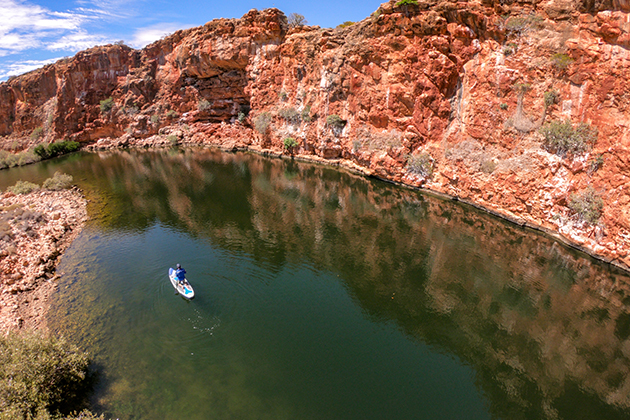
[38, 32]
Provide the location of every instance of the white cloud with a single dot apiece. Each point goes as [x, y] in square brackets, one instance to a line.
[149, 34]
[13, 69]
[21, 16]
[77, 41]
[25, 26]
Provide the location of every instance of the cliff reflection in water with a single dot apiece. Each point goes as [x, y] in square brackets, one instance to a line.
[545, 328]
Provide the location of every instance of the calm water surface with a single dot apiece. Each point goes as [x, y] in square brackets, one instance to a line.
[324, 295]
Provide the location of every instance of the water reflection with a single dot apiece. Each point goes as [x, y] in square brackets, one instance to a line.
[546, 329]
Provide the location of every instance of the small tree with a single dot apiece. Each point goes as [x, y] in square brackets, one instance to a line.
[290, 144]
[296, 19]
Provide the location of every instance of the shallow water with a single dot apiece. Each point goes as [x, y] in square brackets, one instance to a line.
[325, 295]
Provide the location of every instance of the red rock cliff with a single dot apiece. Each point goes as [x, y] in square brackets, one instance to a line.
[446, 95]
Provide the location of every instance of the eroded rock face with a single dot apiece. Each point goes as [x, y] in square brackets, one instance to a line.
[464, 84]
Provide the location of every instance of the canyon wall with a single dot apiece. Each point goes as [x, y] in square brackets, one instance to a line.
[448, 96]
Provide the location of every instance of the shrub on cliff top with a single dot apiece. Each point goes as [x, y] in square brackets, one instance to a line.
[587, 205]
[563, 139]
[106, 105]
[296, 19]
[59, 181]
[345, 24]
[23, 187]
[407, 3]
[39, 376]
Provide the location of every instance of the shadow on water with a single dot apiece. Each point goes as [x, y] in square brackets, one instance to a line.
[545, 329]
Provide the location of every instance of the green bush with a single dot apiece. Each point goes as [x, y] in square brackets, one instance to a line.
[59, 181]
[407, 3]
[563, 139]
[561, 61]
[41, 151]
[106, 105]
[551, 97]
[290, 115]
[587, 205]
[155, 118]
[23, 187]
[39, 376]
[503, 106]
[290, 143]
[171, 114]
[262, 122]
[420, 164]
[56, 149]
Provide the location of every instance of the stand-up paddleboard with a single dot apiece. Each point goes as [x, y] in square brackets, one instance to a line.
[184, 289]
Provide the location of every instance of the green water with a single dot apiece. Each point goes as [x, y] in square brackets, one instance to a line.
[324, 295]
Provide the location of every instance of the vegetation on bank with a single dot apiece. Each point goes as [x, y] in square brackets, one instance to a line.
[10, 160]
[59, 181]
[42, 378]
[38, 153]
[55, 149]
[290, 144]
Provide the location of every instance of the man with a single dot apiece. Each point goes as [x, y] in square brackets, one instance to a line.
[180, 273]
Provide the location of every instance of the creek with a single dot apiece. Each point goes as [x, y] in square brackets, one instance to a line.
[321, 294]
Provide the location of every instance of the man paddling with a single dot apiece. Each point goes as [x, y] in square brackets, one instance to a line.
[180, 273]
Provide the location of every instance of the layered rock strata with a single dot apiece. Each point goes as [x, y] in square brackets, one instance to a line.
[444, 95]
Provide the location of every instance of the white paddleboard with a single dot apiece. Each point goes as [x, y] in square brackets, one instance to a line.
[184, 289]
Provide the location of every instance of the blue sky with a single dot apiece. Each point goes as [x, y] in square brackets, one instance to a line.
[38, 32]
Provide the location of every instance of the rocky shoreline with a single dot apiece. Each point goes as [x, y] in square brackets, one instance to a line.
[35, 230]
